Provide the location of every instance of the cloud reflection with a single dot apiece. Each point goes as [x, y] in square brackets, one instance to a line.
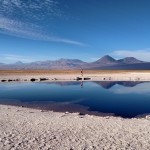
[143, 88]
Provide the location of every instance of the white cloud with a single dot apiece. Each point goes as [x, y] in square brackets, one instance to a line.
[139, 54]
[32, 10]
[50, 7]
[30, 31]
[13, 58]
[142, 88]
[8, 58]
[94, 58]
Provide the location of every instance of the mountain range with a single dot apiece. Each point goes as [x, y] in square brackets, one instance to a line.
[104, 63]
[103, 84]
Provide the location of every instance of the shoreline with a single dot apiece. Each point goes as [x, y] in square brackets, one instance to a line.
[75, 75]
[81, 110]
[78, 109]
[26, 128]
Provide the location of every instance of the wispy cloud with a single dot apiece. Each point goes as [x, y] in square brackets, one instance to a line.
[94, 58]
[139, 54]
[9, 58]
[32, 10]
[13, 58]
[30, 31]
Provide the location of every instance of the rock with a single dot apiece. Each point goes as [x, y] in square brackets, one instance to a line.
[107, 117]
[6, 142]
[10, 135]
[1, 145]
[33, 79]
[10, 80]
[17, 79]
[66, 112]
[87, 78]
[78, 78]
[3, 80]
[147, 117]
[43, 79]
[81, 114]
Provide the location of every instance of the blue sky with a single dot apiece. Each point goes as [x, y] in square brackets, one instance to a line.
[83, 29]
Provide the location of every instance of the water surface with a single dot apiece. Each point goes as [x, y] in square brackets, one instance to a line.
[125, 99]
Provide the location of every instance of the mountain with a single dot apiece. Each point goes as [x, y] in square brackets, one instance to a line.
[104, 63]
[109, 63]
[106, 60]
[18, 63]
[61, 64]
[58, 64]
[129, 60]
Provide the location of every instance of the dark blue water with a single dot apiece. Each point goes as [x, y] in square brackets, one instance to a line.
[126, 99]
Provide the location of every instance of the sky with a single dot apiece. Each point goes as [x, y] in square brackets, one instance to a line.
[38, 30]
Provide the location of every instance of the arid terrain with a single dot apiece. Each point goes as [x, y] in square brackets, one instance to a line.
[26, 129]
[72, 75]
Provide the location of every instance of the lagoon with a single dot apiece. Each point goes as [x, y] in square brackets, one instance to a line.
[124, 99]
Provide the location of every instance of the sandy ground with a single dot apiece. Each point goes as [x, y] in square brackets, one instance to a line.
[31, 129]
[94, 75]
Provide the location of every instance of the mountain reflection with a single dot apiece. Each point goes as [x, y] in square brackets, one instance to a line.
[67, 83]
[110, 84]
[103, 84]
[127, 99]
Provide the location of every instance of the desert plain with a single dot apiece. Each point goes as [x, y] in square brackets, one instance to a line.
[31, 129]
[72, 75]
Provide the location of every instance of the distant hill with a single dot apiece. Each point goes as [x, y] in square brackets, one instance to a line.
[104, 63]
[129, 60]
[135, 66]
[61, 64]
[105, 60]
[18, 63]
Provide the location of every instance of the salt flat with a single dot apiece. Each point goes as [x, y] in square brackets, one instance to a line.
[71, 75]
[26, 129]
